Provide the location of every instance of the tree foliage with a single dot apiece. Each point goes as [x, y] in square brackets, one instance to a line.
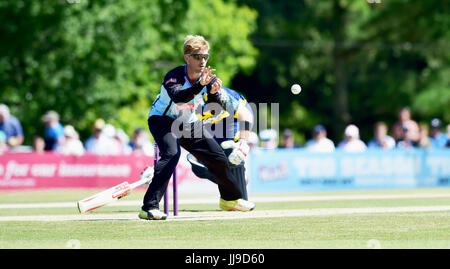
[357, 62]
[106, 59]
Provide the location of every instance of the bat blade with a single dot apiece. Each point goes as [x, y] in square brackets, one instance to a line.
[110, 195]
[105, 197]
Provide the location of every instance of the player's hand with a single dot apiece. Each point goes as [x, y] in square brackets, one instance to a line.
[147, 175]
[216, 86]
[207, 76]
[240, 150]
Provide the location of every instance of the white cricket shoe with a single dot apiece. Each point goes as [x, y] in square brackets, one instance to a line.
[236, 205]
[153, 214]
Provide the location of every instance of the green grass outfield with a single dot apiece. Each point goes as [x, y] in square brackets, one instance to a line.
[366, 229]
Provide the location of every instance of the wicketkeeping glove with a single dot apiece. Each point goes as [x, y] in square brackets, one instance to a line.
[239, 153]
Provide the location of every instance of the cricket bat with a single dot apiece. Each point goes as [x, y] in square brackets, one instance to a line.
[110, 195]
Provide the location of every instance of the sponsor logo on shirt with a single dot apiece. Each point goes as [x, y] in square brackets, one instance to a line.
[174, 80]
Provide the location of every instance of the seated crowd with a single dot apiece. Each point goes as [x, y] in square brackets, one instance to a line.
[108, 140]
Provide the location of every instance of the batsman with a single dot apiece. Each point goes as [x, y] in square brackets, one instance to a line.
[231, 131]
[183, 90]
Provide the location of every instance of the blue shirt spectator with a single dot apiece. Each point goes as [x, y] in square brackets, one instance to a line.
[320, 142]
[3, 146]
[141, 142]
[11, 126]
[288, 140]
[389, 143]
[448, 136]
[102, 141]
[438, 139]
[269, 139]
[54, 131]
[2, 137]
[381, 139]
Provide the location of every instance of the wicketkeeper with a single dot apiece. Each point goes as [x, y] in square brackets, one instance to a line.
[231, 131]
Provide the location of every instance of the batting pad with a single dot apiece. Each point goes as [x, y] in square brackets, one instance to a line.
[238, 171]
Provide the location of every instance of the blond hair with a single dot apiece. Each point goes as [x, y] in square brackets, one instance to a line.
[195, 42]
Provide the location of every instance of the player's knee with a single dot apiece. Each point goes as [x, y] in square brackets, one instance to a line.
[217, 164]
[222, 159]
[172, 154]
[175, 154]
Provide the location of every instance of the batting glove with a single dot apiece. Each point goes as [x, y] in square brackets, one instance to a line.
[239, 153]
[147, 175]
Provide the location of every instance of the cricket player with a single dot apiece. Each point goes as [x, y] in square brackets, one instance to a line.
[230, 132]
[183, 90]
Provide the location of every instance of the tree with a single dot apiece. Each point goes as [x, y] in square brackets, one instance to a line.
[357, 62]
[413, 54]
[106, 59]
[311, 43]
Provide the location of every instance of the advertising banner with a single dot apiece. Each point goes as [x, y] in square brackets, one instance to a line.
[277, 170]
[298, 169]
[41, 171]
[31, 170]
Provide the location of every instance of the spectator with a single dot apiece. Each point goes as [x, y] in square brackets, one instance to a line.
[92, 143]
[101, 142]
[448, 136]
[381, 138]
[405, 141]
[424, 141]
[3, 145]
[11, 126]
[320, 142]
[123, 140]
[438, 139]
[351, 142]
[110, 132]
[54, 131]
[269, 139]
[405, 121]
[253, 141]
[288, 139]
[72, 144]
[141, 143]
[38, 144]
